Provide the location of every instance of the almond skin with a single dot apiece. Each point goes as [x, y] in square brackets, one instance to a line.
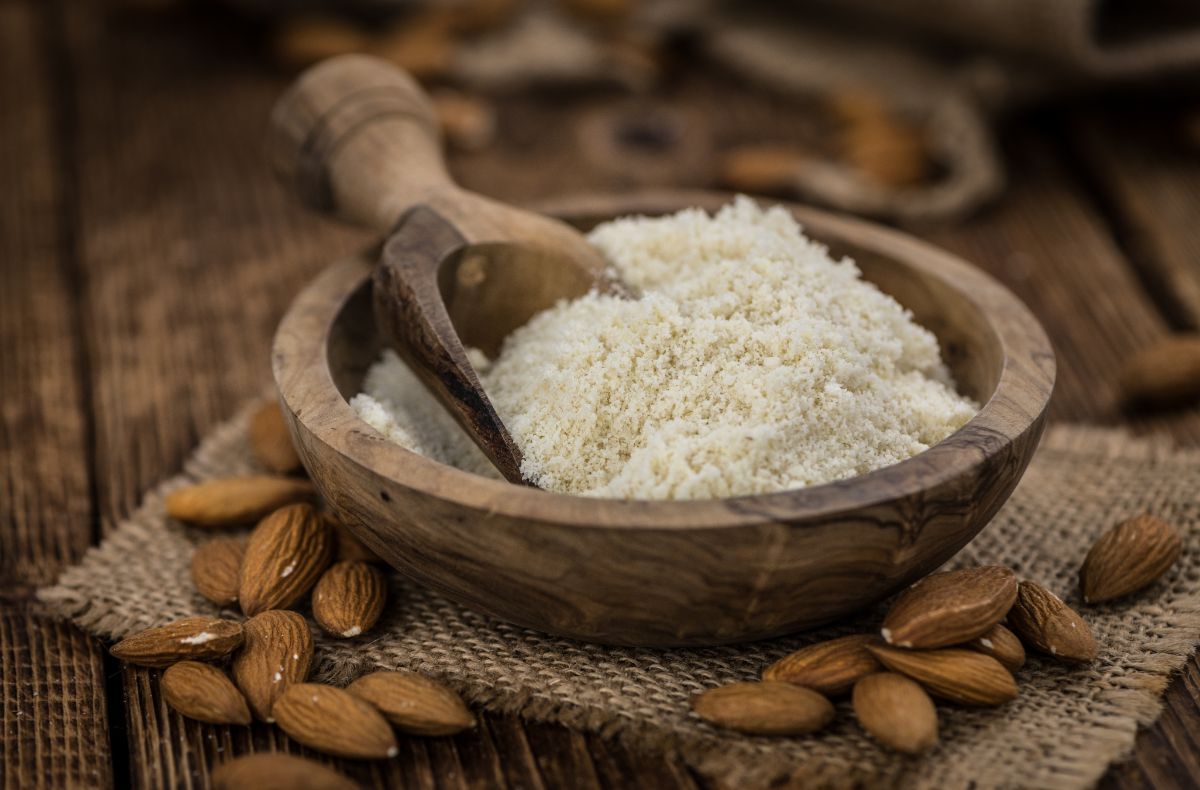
[950, 608]
[1002, 645]
[205, 693]
[278, 653]
[414, 703]
[270, 441]
[1045, 623]
[275, 771]
[287, 553]
[1129, 557]
[764, 708]
[897, 712]
[349, 598]
[230, 501]
[1166, 373]
[199, 638]
[348, 546]
[334, 721]
[217, 567]
[830, 668]
[962, 676]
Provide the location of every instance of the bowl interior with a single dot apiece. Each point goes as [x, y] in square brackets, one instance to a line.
[968, 344]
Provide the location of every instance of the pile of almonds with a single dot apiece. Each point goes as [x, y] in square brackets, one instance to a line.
[959, 636]
[232, 671]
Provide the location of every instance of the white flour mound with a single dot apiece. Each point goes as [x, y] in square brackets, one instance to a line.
[752, 362]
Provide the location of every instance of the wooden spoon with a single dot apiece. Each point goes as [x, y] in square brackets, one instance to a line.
[357, 138]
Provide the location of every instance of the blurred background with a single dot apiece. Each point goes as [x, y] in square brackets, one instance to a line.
[895, 109]
[147, 252]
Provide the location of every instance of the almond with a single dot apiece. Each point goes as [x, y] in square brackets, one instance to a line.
[766, 169]
[303, 40]
[468, 123]
[897, 712]
[1130, 556]
[1166, 373]
[201, 638]
[334, 721]
[879, 143]
[1002, 645]
[830, 667]
[205, 693]
[348, 546]
[216, 569]
[229, 501]
[349, 598]
[270, 441]
[277, 654]
[958, 675]
[950, 608]
[764, 708]
[1044, 622]
[414, 703]
[286, 555]
[275, 771]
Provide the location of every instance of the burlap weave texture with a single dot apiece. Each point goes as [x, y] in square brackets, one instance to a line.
[1068, 724]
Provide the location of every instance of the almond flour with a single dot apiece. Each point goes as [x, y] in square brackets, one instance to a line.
[751, 362]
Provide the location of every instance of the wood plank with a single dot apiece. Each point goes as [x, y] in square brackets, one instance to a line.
[54, 728]
[1146, 173]
[45, 510]
[1046, 243]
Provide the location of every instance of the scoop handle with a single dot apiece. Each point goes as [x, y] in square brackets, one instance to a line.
[357, 138]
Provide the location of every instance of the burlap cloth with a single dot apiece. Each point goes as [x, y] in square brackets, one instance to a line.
[1063, 731]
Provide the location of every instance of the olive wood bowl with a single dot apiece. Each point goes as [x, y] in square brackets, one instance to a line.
[662, 573]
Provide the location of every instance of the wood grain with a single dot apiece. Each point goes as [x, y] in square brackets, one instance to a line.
[53, 712]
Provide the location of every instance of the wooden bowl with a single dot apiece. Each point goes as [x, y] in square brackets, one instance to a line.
[678, 573]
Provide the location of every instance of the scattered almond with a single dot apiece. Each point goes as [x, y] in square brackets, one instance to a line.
[830, 667]
[958, 675]
[201, 638]
[1166, 373]
[231, 501]
[1002, 645]
[287, 553]
[304, 40]
[879, 143]
[1043, 621]
[277, 654]
[423, 45]
[205, 693]
[334, 721]
[270, 441]
[468, 122]
[217, 567]
[276, 771]
[348, 546]
[950, 608]
[897, 712]
[414, 703]
[477, 16]
[1130, 556]
[600, 11]
[765, 169]
[764, 708]
[349, 598]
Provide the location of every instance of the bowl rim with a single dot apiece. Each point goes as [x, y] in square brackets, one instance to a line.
[1016, 407]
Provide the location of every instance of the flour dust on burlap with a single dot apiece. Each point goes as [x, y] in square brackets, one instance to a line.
[1066, 727]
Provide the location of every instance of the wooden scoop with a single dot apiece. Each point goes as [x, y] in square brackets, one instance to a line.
[358, 139]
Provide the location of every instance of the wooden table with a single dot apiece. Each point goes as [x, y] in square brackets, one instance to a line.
[146, 255]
